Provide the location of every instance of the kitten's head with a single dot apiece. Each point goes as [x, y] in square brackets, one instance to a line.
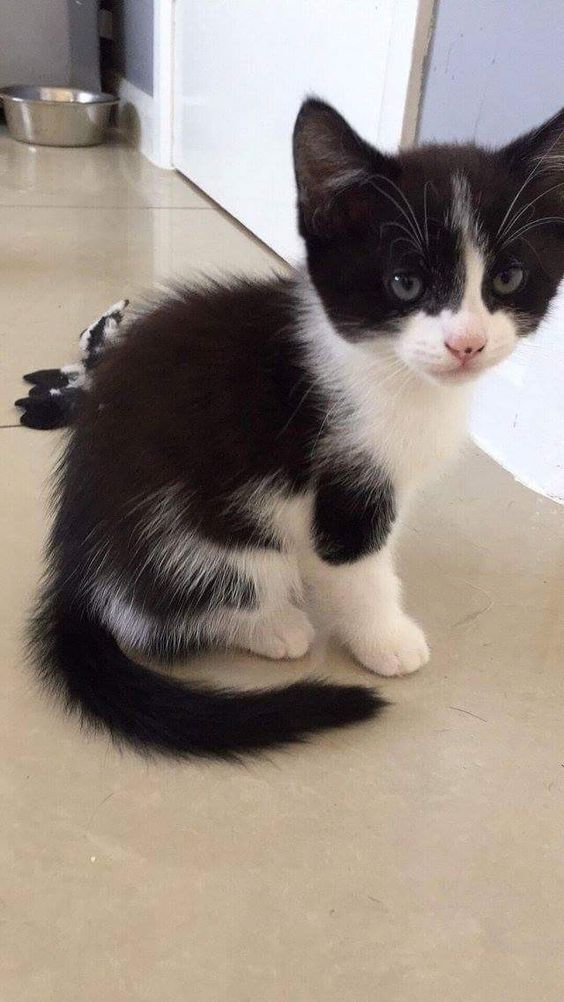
[453, 252]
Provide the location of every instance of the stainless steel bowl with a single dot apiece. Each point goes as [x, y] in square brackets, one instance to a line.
[57, 116]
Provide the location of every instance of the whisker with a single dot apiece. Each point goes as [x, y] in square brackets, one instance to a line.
[414, 230]
[535, 252]
[390, 376]
[407, 203]
[546, 221]
[399, 240]
[529, 178]
[410, 237]
[425, 216]
[529, 205]
[294, 412]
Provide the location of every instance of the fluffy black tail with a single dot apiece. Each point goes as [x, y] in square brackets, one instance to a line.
[79, 659]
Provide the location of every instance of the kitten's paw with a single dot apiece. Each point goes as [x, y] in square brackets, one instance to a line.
[289, 636]
[398, 650]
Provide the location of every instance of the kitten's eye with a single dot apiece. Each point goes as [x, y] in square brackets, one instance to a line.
[407, 286]
[508, 280]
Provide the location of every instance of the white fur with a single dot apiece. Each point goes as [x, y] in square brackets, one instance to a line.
[461, 216]
[288, 635]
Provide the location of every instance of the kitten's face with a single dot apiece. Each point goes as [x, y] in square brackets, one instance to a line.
[451, 253]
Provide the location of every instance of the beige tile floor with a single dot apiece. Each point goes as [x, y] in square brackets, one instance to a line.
[417, 859]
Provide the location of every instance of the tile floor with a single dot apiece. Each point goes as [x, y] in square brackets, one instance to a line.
[414, 859]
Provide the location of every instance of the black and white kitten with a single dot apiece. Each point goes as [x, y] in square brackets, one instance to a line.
[245, 443]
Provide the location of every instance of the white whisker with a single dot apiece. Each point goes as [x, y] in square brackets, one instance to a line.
[529, 205]
[527, 180]
[425, 216]
[546, 221]
[414, 231]
[408, 204]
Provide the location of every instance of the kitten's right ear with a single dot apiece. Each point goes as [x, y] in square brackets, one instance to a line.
[333, 168]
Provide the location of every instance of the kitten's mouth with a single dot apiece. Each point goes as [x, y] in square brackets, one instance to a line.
[457, 373]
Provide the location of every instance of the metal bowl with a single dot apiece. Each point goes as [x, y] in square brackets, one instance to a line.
[57, 116]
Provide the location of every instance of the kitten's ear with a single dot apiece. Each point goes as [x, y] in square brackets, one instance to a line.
[543, 145]
[333, 168]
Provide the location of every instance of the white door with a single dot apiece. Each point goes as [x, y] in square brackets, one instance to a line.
[241, 70]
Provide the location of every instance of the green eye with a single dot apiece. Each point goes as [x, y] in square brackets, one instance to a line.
[508, 280]
[406, 286]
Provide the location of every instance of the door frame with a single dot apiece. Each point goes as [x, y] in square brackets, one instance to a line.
[163, 82]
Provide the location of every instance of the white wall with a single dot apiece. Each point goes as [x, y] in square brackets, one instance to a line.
[519, 411]
[495, 70]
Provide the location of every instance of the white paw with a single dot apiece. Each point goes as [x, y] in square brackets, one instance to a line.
[399, 649]
[289, 636]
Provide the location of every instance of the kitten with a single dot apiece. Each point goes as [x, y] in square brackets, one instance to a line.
[246, 441]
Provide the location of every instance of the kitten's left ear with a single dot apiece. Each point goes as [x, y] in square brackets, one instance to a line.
[543, 145]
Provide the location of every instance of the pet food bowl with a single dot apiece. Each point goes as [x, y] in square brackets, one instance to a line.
[57, 116]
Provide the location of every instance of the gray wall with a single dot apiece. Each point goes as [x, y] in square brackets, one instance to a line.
[495, 68]
[56, 42]
[132, 50]
[84, 43]
[49, 42]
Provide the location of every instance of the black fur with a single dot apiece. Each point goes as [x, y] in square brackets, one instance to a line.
[47, 411]
[47, 379]
[351, 520]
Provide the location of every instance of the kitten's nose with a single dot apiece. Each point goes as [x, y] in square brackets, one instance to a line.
[466, 341]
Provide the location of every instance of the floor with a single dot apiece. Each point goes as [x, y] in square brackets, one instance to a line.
[416, 858]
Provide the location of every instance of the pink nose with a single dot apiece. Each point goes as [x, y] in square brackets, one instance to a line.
[466, 342]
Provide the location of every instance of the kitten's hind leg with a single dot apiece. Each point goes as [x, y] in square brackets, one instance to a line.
[288, 634]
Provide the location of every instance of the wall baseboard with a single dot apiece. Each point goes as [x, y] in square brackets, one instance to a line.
[137, 119]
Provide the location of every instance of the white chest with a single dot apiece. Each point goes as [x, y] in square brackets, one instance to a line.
[409, 426]
[377, 406]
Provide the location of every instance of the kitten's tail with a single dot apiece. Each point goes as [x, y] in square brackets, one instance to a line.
[80, 660]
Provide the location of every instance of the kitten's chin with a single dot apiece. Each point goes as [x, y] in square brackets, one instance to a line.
[456, 377]
[437, 376]
[460, 375]
[443, 372]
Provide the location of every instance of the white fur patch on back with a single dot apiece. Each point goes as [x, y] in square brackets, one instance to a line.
[182, 558]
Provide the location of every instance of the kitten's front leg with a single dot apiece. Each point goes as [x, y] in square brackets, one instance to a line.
[355, 585]
[361, 603]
